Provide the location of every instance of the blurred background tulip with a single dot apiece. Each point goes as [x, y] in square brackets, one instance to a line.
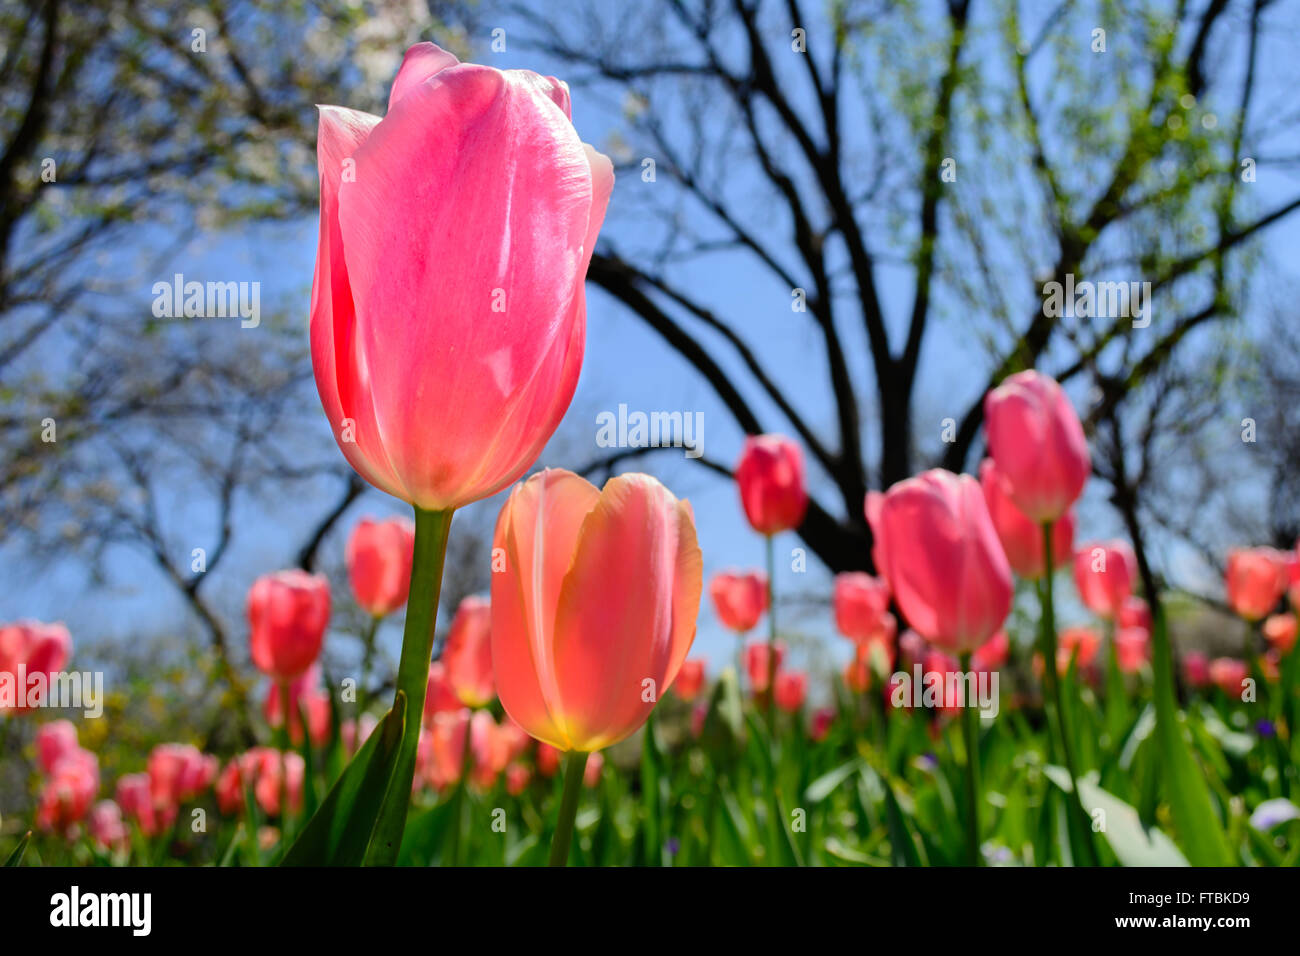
[739, 598]
[287, 615]
[1256, 580]
[1104, 573]
[467, 655]
[1022, 538]
[378, 556]
[770, 476]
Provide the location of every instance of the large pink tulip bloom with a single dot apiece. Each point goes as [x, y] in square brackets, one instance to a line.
[1021, 538]
[595, 610]
[1038, 444]
[1104, 573]
[1256, 579]
[772, 485]
[739, 598]
[287, 614]
[936, 546]
[379, 556]
[448, 313]
[468, 653]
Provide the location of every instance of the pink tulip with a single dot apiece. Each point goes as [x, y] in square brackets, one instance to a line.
[912, 647]
[448, 311]
[68, 793]
[1196, 669]
[1021, 538]
[447, 737]
[106, 826]
[739, 598]
[305, 693]
[517, 777]
[287, 613]
[1135, 612]
[992, 654]
[439, 695]
[1079, 644]
[178, 773]
[770, 476]
[1038, 444]
[354, 733]
[1132, 648]
[135, 797]
[757, 666]
[822, 720]
[1256, 580]
[1280, 632]
[468, 653]
[54, 741]
[591, 772]
[379, 556]
[791, 686]
[28, 648]
[861, 605]
[548, 759]
[699, 714]
[1104, 573]
[1228, 674]
[690, 679]
[936, 546]
[595, 610]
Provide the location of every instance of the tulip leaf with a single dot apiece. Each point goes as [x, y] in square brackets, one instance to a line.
[826, 784]
[1195, 820]
[339, 832]
[424, 834]
[16, 856]
[1133, 843]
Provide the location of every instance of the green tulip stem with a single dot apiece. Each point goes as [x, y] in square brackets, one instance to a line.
[970, 731]
[574, 767]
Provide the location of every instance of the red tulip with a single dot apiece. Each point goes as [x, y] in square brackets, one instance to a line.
[1196, 669]
[54, 741]
[690, 679]
[770, 475]
[936, 546]
[739, 598]
[135, 797]
[379, 556]
[861, 605]
[1021, 538]
[822, 720]
[439, 696]
[28, 648]
[1228, 674]
[1280, 631]
[68, 793]
[287, 614]
[1038, 444]
[548, 759]
[1132, 648]
[1135, 612]
[305, 693]
[468, 653]
[106, 826]
[595, 610]
[757, 666]
[791, 686]
[446, 740]
[448, 311]
[1104, 573]
[1256, 579]
[178, 773]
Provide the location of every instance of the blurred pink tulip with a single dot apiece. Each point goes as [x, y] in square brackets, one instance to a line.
[992, 654]
[447, 738]
[68, 792]
[591, 772]
[757, 667]
[54, 741]
[1280, 632]
[305, 693]
[1228, 674]
[770, 476]
[1037, 442]
[595, 610]
[1135, 612]
[823, 719]
[468, 653]
[791, 687]
[1104, 573]
[861, 604]
[135, 797]
[379, 556]
[936, 546]
[1021, 538]
[287, 613]
[1132, 648]
[454, 254]
[178, 773]
[1079, 644]
[354, 733]
[548, 759]
[1196, 669]
[690, 679]
[439, 696]
[517, 777]
[1256, 580]
[29, 648]
[106, 826]
[739, 598]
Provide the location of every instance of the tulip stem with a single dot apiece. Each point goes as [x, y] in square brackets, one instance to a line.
[771, 632]
[970, 731]
[431, 528]
[574, 767]
[367, 663]
[1053, 684]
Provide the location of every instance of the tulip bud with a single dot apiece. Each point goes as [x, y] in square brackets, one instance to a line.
[287, 614]
[379, 556]
[770, 476]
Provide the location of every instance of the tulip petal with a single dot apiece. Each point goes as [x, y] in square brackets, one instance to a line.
[422, 61]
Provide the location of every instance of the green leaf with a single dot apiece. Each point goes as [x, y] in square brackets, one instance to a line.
[16, 856]
[425, 833]
[339, 832]
[1195, 820]
[1134, 844]
[825, 785]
